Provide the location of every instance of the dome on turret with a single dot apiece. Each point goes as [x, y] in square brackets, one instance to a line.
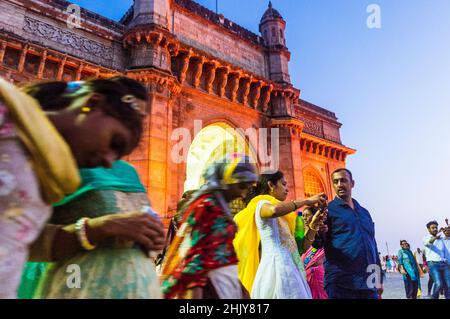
[270, 14]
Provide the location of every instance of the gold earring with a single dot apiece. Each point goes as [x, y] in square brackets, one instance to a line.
[85, 109]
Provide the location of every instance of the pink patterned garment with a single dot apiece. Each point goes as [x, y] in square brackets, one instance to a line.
[23, 214]
[313, 260]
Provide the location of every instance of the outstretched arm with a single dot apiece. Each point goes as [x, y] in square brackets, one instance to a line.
[284, 208]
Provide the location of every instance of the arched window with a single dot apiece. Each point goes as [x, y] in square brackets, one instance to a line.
[312, 182]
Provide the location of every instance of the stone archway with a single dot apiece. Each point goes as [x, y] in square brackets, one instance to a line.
[212, 143]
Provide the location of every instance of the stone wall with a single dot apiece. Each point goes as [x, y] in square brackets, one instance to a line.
[220, 43]
[45, 25]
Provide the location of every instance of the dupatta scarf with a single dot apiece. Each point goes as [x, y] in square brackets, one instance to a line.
[51, 157]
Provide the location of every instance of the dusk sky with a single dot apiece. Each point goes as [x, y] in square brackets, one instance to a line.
[390, 87]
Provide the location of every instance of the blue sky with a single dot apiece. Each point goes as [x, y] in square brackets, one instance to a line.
[390, 88]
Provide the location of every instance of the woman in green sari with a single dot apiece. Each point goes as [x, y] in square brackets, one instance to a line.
[117, 268]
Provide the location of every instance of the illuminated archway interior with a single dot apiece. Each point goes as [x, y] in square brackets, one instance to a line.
[212, 143]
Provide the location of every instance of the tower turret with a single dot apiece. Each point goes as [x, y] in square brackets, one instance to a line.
[272, 28]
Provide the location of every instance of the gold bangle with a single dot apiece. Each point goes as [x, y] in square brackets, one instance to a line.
[80, 228]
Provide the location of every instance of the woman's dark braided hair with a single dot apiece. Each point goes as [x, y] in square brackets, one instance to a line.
[55, 96]
[262, 186]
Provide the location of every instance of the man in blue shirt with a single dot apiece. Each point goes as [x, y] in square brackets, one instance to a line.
[352, 263]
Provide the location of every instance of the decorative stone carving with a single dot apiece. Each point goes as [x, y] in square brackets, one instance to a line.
[157, 81]
[266, 98]
[246, 90]
[64, 37]
[198, 71]
[79, 70]
[223, 81]
[184, 66]
[2, 51]
[234, 85]
[42, 65]
[256, 94]
[23, 56]
[61, 68]
[313, 127]
[210, 76]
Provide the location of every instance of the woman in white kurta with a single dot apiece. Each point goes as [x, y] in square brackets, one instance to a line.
[278, 273]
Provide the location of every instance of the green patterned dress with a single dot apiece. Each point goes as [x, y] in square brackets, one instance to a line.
[115, 269]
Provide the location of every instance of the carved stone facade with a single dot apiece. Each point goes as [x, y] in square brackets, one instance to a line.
[198, 66]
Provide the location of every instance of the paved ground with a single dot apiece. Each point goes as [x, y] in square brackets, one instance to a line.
[395, 289]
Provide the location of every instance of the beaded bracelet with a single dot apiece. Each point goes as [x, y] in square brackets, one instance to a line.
[80, 228]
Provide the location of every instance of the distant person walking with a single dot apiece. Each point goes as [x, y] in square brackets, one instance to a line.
[389, 263]
[418, 255]
[408, 268]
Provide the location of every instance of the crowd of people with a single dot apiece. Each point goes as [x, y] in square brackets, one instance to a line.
[434, 260]
[389, 263]
[66, 199]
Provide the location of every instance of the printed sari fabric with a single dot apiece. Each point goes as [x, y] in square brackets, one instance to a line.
[203, 243]
[313, 260]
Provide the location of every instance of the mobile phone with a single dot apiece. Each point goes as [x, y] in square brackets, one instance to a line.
[149, 210]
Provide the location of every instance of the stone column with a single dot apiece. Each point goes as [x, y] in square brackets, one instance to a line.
[211, 76]
[184, 67]
[290, 156]
[61, 69]
[41, 68]
[198, 71]
[266, 98]
[153, 158]
[223, 81]
[246, 90]
[2, 51]
[256, 95]
[23, 56]
[79, 70]
[235, 85]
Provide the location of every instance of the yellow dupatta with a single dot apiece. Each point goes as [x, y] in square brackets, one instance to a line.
[51, 157]
[246, 242]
